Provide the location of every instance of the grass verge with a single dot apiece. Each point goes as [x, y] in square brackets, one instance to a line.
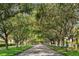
[62, 50]
[14, 51]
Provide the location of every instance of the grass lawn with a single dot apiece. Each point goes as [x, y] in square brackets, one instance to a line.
[63, 51]
[13, 51]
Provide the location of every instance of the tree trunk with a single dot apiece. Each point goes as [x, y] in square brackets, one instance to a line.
[58, 42]
[66, 45]
[51, 42]
[17, 45]
[6, 42]
[62, 42]
[76, 44]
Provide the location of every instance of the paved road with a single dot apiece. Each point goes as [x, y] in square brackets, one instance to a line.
[39, 50]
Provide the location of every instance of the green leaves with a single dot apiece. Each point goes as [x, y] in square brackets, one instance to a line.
[38, 21]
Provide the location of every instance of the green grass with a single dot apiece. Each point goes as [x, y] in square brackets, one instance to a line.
[62, 50]
[14, 51]
[72, 53]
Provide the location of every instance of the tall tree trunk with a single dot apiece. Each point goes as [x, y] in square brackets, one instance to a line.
[17, 45]
[76, 44]
[62, 42]
[66, 46]
[6, 42]
[58, 42]
[72, 43]
[51, 42]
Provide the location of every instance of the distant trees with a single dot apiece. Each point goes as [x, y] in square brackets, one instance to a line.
[59, 19]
